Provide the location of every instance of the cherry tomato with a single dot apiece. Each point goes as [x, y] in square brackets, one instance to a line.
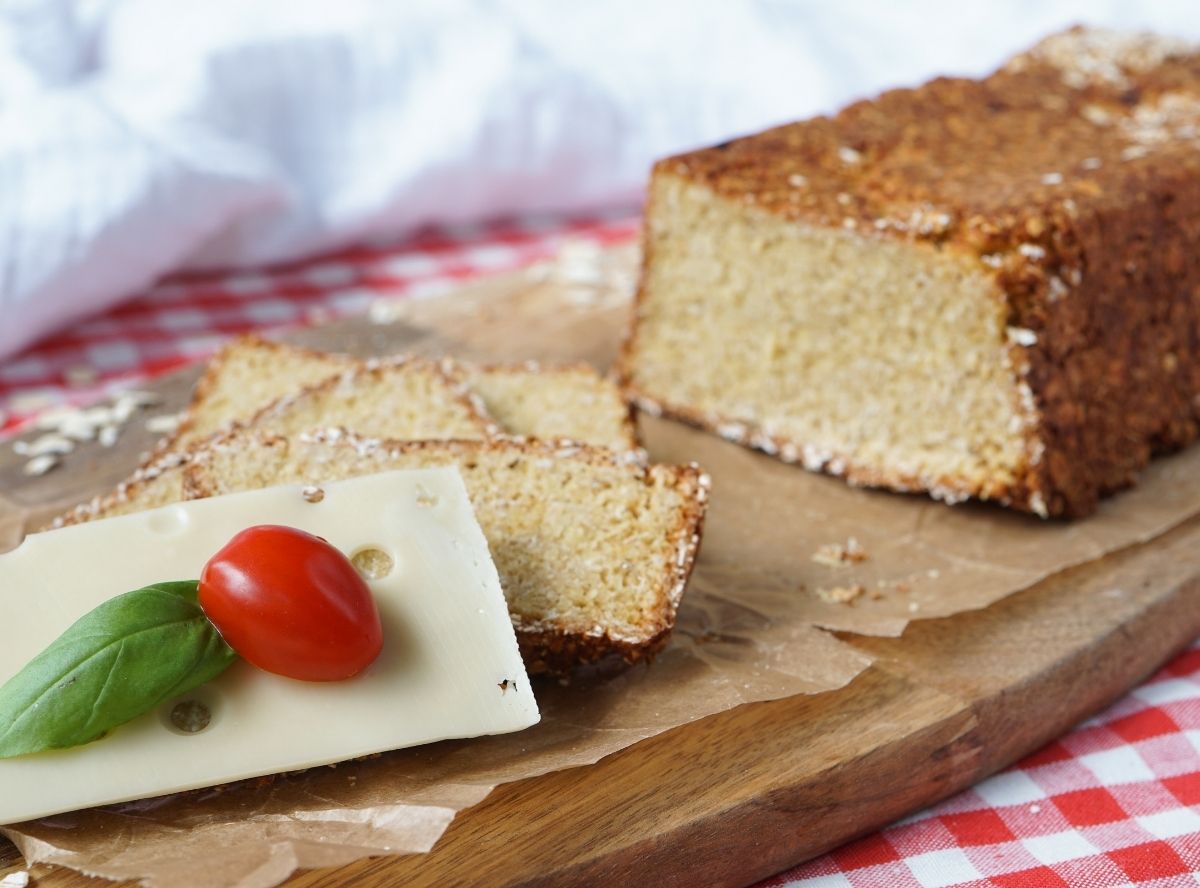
[291, 604]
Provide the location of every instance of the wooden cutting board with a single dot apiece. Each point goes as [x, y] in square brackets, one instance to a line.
[738, 796]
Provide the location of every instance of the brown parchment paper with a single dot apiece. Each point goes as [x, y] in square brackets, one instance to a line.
[751, 628]
[924, 559]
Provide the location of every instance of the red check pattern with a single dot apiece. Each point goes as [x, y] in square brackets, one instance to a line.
[1114, 803]
[186, 318]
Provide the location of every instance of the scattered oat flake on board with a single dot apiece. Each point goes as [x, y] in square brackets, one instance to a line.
[139, 398]
[48, 443]
[41, 464]
[164, 424]
[839, 554]
[841, 594]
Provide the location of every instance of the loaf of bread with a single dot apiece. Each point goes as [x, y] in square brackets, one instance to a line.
[593, 548]
[976, 288]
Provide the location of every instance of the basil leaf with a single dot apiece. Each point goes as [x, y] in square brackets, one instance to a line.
[118, 661]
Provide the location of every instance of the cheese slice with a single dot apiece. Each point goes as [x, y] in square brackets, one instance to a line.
[449, 665]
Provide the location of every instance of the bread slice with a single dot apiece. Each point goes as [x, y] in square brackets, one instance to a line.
[246, 375]
[593, 549]
[976, 288]
[565, 401]
[407, 398]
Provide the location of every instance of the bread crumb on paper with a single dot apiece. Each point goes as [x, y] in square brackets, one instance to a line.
[840, 554]
[841, 594]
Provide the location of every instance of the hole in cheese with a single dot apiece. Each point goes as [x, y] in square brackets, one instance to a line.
[372, 562]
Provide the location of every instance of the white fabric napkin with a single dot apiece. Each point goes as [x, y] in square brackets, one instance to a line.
[139, 137]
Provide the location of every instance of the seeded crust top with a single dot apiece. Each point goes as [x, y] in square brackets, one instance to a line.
[1082, 117]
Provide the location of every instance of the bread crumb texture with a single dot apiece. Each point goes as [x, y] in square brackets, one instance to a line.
[410, 398]
[570, 402]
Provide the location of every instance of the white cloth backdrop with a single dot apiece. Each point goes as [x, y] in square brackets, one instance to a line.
[142, 136]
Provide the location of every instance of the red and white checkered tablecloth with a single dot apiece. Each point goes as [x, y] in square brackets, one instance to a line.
[1116, 802]
[186, 318]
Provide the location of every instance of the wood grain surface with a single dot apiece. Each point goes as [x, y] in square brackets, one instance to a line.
[740, 795]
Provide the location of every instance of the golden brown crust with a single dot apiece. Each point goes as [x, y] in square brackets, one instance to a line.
[547, 647]
[982, 162]
[559, 653]
[456, 372]
[1072, 177]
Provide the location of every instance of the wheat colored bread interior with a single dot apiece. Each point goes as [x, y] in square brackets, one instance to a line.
[552, 402]
[408, 398]
[593, 549]
[881, 360]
